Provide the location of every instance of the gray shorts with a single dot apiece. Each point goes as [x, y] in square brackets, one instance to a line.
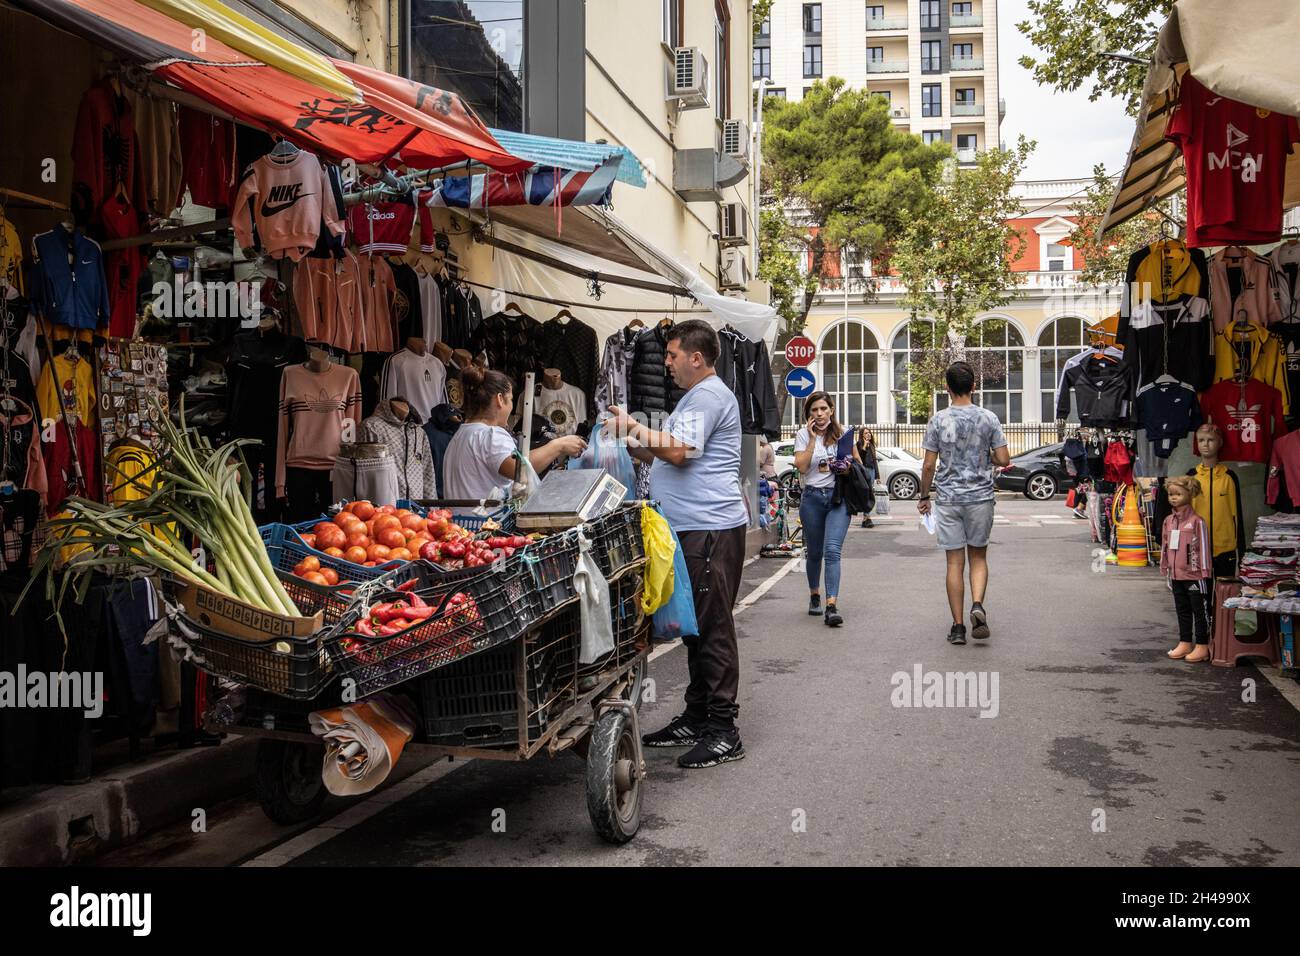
[965, 525]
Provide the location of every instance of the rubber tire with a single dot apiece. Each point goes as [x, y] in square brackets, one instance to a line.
[611, 824]
[1041, 474]
[281, 779]
[894, 480]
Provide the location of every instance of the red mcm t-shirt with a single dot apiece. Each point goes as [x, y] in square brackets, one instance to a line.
[1249, 415]
[1235, 157]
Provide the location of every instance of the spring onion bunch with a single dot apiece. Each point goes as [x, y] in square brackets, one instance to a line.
[196, 493]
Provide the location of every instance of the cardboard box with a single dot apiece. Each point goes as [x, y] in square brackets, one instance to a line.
[225, 614]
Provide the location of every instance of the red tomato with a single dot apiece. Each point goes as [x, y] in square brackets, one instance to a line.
[384, 522]
[315, 577]
[363, 510]
[414, 522]
[309, 540]
[400, 554]
[391, 538]
[334, 552]
[323, 527]
[330, 575]
[356, 554]
[377, 553]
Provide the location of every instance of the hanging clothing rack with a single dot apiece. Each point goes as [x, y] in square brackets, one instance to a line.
[580, 305]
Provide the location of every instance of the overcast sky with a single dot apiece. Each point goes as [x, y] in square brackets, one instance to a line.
[1073, 134]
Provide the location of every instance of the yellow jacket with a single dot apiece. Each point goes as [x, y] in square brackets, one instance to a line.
[1219, 505]
[65, 382]
[1267, 359]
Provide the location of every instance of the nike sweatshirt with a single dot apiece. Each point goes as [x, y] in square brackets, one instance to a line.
[286, 198]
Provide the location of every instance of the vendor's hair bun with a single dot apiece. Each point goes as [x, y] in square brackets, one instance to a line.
[472, 377]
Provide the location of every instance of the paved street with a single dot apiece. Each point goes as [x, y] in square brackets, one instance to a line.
[1101, 752]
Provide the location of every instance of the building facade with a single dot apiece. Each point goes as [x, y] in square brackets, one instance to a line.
[936, 61]
[584, 71]
[863, 342]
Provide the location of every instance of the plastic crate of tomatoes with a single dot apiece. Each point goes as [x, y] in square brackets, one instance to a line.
[431, 619]
[466, 514]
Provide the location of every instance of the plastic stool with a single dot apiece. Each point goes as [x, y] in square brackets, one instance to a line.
[1225, 646]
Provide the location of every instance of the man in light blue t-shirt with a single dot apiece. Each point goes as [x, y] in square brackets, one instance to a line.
[963, 442]
[695, 474]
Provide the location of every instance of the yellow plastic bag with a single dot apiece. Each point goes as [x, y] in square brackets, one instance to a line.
[660, 550]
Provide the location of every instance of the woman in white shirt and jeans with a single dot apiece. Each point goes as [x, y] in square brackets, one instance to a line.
[480, 460]
[818, 446]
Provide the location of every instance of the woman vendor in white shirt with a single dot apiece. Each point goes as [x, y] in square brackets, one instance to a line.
[480, 460]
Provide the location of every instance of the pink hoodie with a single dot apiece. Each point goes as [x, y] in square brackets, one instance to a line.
[1190, 560]
[287, 198]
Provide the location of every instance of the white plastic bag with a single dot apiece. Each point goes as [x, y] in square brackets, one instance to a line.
[526, 486]
[594, 605]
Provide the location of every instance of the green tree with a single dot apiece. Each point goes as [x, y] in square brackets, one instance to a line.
[955, 262]
[1073, 35]
[843, 175]
[778, 266]
[761, 10]
[1105, 258]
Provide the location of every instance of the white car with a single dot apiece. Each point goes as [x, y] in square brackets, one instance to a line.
[900, 470]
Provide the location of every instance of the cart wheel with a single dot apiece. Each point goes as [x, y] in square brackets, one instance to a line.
[614, 778]
[288, 780]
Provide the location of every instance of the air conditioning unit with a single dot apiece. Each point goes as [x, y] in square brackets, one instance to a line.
[735, 224]
[900, 112]
[690, 78]
[734, 271]
[735, 139]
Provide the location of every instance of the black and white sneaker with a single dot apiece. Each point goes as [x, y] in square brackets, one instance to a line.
[833, 616]
[682, 731]
[814, 605]
[957, 635]
[718, 747]
[979, 622]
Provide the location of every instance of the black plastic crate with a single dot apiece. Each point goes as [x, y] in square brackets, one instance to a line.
[631, 631]
[616, 539]
[500, 604]
[297, 668]
[475, 702]
[616, 544]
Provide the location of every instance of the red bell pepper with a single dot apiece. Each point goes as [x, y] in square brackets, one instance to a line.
[384, 613]
[363, 627]
[417, 613]
[408, 585]
[416, 600]
[388, 630]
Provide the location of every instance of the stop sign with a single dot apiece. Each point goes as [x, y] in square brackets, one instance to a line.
[800, 351]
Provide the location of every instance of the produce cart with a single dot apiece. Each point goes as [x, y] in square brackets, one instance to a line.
[501, 681]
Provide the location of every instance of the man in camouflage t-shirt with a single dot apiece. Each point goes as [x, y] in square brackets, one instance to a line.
[964, 441]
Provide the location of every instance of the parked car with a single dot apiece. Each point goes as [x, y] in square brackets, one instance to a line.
[1038, 474]
[900, 470]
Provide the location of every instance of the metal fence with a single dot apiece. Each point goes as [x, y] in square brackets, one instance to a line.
[1020, 438]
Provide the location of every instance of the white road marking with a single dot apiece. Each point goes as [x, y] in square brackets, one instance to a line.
[368, 806]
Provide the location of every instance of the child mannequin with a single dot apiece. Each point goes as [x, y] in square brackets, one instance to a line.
[1186, 561]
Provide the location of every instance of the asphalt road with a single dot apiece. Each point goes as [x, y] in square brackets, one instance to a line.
[1102, 751]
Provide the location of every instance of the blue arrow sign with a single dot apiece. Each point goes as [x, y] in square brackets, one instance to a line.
[799, 382]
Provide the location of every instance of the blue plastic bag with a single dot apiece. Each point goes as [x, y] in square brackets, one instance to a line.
[677, 618]
[610, 456]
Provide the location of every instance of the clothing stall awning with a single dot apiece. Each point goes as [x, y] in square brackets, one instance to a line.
[1236, 58]
[340, 110]
[537, 187]
[576, 156]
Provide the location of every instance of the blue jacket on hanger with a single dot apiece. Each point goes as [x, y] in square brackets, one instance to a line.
[73, 294]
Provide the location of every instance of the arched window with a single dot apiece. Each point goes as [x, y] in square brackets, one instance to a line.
[850, 359]
[1057, 343]
[902, 345]
[997, 352]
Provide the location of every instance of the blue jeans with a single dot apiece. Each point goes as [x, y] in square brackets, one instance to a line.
[824, 529]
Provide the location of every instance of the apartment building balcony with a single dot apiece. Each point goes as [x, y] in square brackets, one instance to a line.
[899, 114]
[967, 63]
[967, 109]
[966, 156]
[970, 20]
[886, 23]
[886, 66]
[1034, 283]
[1050, 281]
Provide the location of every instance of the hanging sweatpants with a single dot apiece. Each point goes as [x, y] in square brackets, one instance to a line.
[715, 560]
[309, 493]
[1190, 604]
[371, 479]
